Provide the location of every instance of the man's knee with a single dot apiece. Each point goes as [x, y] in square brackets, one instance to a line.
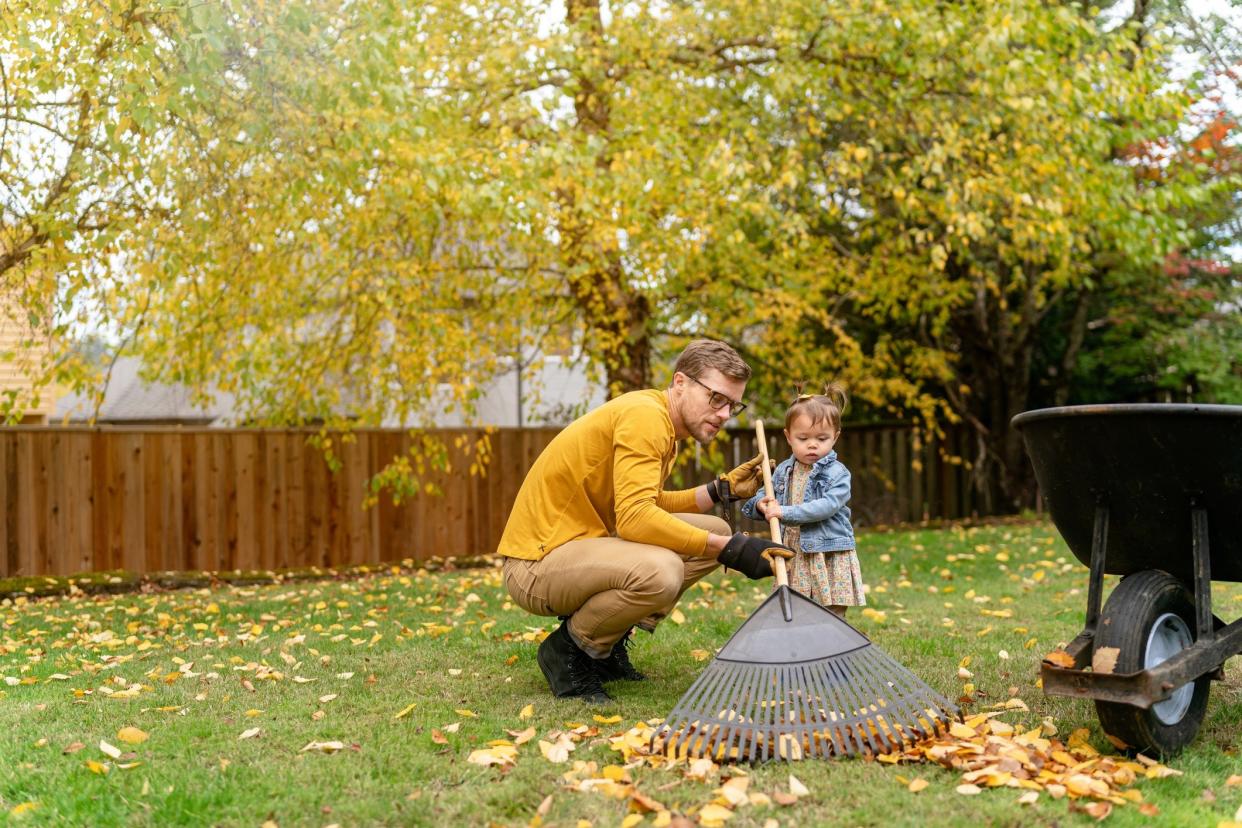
[661, 578]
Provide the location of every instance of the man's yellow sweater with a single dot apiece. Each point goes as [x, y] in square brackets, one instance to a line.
[604, 475]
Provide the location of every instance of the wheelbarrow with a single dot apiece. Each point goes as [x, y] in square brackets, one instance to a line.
[1152, 493]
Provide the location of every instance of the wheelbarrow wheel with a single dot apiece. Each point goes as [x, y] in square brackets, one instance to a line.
[1150, 617]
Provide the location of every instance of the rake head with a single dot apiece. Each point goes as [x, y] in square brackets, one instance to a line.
[795, 682]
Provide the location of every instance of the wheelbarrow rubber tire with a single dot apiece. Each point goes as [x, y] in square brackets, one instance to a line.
[1138, 602]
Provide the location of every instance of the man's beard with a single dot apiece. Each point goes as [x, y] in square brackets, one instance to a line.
[707, 433]
[699, 428]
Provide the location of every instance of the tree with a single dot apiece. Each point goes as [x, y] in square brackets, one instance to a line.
[962, 191]
[83, 95]
[355, 210]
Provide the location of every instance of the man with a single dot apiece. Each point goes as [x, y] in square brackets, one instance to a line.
[594, 538]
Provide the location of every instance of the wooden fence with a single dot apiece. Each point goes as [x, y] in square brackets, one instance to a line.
[151, 499]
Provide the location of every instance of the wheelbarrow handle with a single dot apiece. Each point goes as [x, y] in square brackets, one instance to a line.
[774, 523]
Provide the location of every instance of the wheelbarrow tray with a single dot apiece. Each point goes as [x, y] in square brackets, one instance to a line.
[1147, 464]
[1143, 487]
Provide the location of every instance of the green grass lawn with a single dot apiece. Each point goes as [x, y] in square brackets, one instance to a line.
[288, 665]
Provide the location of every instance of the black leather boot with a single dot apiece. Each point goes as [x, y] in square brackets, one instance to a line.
[570, 672]
[617, 667]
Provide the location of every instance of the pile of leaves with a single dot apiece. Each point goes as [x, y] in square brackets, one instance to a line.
[984, 750]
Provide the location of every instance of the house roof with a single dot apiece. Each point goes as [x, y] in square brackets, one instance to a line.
[130, 399]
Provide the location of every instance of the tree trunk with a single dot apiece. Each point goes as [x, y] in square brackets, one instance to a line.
[995, 365]
[616, 317]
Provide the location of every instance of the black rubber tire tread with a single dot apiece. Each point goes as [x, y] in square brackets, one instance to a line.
[1125, 623]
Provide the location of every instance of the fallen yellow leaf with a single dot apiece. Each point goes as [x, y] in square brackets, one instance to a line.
[324, 747]
[527, 712]
[714, 814]
[405, 711]
[131, 735]
[1060, 658]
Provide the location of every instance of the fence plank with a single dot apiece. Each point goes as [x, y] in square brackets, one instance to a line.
[8, 506]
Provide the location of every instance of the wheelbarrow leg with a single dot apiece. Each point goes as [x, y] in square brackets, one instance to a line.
[1081, 647]
[1203, 574]
[1205, 622]
[1095, 586]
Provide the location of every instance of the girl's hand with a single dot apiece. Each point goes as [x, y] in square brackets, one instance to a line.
[769, 507]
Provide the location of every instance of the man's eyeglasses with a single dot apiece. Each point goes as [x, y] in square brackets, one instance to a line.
[718, 400]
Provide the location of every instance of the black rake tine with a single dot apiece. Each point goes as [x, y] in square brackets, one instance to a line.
[908, 697]
[734, 700]
[833, 713]
[809, 713]
[855, 740]
[896, 702]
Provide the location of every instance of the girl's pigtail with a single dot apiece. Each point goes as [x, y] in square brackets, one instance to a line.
[836, 393]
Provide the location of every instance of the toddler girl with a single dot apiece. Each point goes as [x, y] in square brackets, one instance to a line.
[812, 489]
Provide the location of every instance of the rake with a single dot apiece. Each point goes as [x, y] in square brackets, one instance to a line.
[796, 681]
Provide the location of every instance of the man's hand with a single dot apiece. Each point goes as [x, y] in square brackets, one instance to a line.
[752, 556]
[739, 484]
[746, 479]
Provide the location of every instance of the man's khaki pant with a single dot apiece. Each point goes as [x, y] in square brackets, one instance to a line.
[608, 585]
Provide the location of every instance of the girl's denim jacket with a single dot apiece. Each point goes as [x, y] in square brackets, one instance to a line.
[823, 513]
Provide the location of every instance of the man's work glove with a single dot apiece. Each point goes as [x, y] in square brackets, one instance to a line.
[751, 556]
[739, 484]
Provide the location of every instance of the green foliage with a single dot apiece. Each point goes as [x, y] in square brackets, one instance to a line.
[355, 213]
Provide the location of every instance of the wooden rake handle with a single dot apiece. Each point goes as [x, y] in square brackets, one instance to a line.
[774, 523]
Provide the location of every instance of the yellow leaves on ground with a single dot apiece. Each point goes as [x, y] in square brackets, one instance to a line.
[994, 754]
[521, 737]
[323, 747]
[527, 712]
[131, 735]
[558, 751]
[503, 755]
[1060, 658]
[403, 712]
